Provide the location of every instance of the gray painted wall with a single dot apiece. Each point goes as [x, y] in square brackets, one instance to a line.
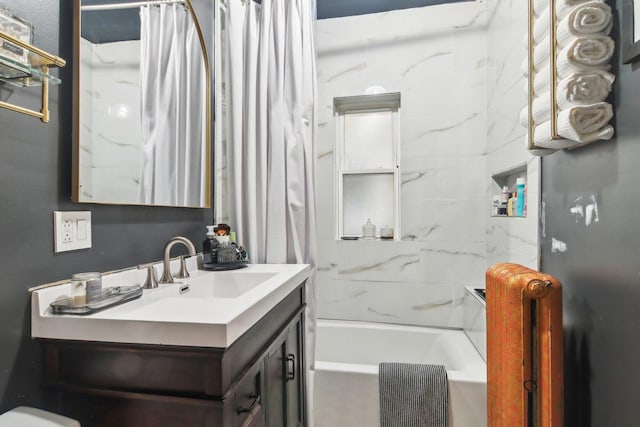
[600, 270]
[35, 170]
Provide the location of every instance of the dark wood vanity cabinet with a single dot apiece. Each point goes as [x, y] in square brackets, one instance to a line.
[285, 387]
[258, 381]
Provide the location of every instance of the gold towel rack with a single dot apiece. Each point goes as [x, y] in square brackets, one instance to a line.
[38, 69]
[553, 80]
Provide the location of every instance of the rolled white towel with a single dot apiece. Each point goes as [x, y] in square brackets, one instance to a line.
[524, 67]
[542, 43]
[541, 53]
[580, 124]
[585, 53]
[523, 117]
[542, 139]
[541, 25]
[581, 17]
[539, 6]
[562, 6]
[541, 108]
[542, 79]
[585, 87]
[593, 17]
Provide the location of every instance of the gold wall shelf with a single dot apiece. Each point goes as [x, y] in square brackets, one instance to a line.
[36, 73]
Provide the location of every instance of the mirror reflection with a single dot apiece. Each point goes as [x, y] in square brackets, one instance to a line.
[142, 129]
[636, 21]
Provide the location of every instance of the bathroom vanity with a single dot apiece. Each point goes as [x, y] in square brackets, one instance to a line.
[228, 351]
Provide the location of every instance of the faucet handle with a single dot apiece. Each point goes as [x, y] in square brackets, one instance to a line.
[152, 280]
[183, 273]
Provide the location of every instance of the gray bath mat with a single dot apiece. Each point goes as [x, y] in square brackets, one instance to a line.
[413, 395]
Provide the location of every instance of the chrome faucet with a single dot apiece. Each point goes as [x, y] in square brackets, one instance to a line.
[166, 260]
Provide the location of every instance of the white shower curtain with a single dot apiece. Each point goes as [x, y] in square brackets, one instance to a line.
[271, 83]
[173, 96]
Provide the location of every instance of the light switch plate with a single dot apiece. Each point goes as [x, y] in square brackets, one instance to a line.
[71, 230]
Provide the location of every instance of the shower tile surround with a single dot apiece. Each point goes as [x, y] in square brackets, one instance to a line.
[509, 239]
[459, 124]
[111, 162]
[475, 320]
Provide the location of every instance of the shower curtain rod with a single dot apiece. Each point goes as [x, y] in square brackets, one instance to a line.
[224, 2]
[131, 5]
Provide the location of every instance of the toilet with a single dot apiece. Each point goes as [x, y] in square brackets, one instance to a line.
[24, 416]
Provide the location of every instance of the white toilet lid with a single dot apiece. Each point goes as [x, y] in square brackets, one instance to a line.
[24, 416]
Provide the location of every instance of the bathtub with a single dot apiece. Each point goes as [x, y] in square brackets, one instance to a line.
[346, 370]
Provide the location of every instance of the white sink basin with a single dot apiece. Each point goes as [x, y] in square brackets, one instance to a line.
[222, 284]
[208, 309]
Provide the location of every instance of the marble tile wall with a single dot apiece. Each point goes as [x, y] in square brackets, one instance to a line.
[475, 320]
[436, 58]
[110, 124]
[509, 239]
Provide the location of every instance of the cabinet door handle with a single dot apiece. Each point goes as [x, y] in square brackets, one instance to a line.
[254, 402]
[291, 367]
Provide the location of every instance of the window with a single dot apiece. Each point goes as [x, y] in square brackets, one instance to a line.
[367, 135]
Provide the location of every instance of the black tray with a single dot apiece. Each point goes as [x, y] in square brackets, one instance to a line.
[110, 297]
[221, 266]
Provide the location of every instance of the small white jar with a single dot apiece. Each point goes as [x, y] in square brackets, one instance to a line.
[386, 233]
[86, 287]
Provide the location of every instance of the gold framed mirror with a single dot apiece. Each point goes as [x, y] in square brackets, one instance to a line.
[141, 104]
[630, 31]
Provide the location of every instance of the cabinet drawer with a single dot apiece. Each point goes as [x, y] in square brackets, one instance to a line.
[246, 399]
[98, 408]
[145, 369]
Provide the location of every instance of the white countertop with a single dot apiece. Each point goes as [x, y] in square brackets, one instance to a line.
[219, 308]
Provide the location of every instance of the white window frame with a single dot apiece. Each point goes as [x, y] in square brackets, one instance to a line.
[363, 104]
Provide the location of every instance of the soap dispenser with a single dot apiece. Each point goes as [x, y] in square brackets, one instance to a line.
[210, 246]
